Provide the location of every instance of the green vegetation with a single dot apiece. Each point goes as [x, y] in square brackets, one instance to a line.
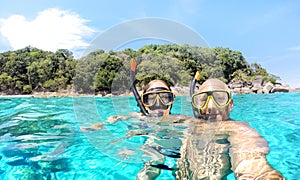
[33, 70]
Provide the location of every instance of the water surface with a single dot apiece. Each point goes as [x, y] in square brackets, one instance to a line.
[40, 138]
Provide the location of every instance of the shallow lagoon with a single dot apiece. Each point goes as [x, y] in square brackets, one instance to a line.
[41, 137]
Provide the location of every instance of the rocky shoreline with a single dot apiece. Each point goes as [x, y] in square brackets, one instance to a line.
[179, 91]
[257, 86]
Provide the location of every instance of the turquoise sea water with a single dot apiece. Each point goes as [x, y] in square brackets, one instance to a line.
[40, 138]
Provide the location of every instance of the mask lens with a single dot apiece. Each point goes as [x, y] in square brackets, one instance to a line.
[200, 99]
[220, 97]
[166, 97]
[148, 99]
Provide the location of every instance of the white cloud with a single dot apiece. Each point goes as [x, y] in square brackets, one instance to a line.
[52, 29]
[295, 48]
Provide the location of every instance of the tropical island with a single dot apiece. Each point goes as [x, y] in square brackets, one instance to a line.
[32, 71]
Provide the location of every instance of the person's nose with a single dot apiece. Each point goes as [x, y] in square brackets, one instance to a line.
[157, 102]
[210, 107]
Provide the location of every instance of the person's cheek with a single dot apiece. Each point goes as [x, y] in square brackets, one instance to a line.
[224, 113]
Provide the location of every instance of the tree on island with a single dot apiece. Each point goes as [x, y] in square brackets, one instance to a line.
[29, 70]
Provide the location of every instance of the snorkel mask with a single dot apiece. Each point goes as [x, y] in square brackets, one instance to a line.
[221, 98]
[158, 98]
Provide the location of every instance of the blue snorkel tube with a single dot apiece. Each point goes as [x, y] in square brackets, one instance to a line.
[134, 90]
[192, 91]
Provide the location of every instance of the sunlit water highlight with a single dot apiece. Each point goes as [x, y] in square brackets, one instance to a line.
[40, 138]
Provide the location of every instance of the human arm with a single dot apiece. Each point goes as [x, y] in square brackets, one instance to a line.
[94, 127]
[248, 153]
[114, 119]
[250, 165]
[110, 120]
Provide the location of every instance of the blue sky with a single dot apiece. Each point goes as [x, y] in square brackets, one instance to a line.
[267, 32]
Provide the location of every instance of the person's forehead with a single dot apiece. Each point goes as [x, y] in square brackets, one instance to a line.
[213, 85]
[157, 84]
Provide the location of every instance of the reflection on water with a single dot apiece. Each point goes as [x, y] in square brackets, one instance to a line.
[40, 138]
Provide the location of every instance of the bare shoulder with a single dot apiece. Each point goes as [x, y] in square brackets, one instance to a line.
[235, 123]
[232, 124]
[239, 127]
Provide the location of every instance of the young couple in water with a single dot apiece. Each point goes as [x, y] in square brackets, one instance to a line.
[213, 145]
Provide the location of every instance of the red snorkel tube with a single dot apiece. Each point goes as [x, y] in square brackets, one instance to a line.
[192, 91]
[134, 90]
